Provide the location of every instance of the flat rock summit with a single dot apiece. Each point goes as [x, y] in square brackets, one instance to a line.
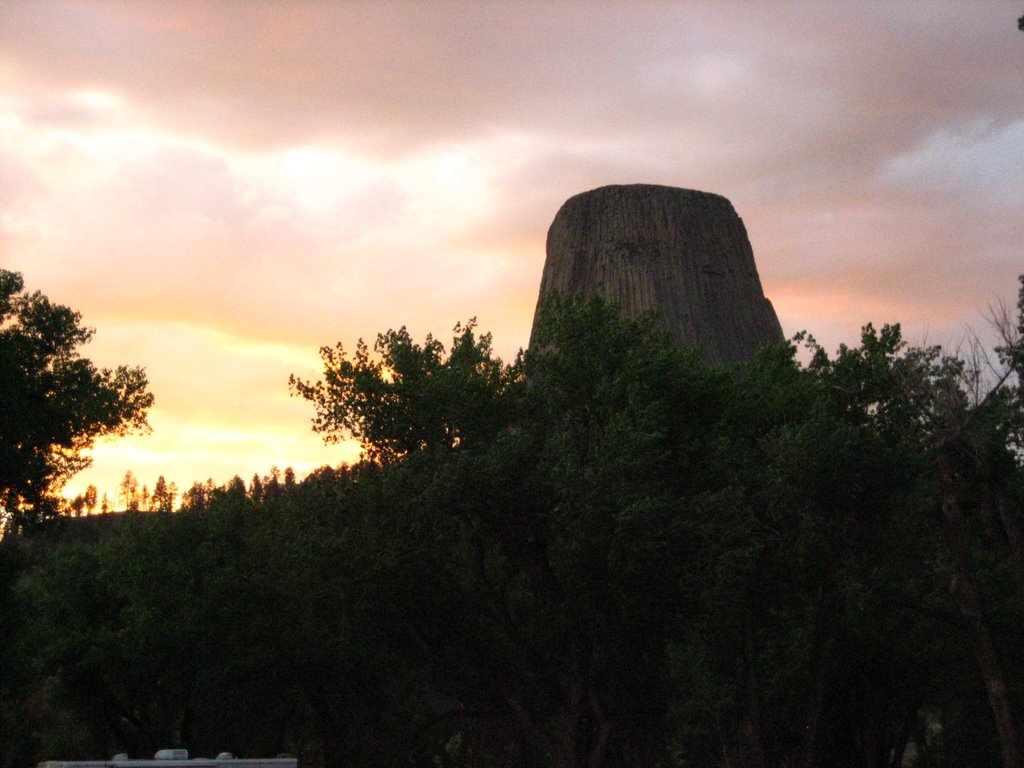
[680, 252]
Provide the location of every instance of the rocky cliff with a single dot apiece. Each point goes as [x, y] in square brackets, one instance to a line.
[683, 253]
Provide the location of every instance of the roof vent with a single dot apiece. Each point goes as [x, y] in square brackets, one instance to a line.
[171, 754]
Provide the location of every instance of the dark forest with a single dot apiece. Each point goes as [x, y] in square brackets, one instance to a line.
[605, 553]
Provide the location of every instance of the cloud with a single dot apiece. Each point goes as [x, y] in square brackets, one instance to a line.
[292, 174]
[976, 162]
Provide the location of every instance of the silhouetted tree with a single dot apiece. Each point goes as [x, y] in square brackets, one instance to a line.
[128, 491]
[163, 495]
[56, 403]
[602, 554]
[90, 498]
[256, 489]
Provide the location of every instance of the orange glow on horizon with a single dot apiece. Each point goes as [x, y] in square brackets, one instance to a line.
[221, 192]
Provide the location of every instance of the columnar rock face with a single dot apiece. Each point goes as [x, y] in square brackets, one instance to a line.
[680, 252]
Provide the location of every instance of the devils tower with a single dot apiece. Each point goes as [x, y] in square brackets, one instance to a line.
[679, 252]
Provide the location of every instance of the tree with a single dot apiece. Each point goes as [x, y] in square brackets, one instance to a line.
[973, 415]
[959, 421]
[271, 485]
[18, 721]
[607, 553]
[56, 403]
[90, 498]
[602, 554]
[196, 497]
[531, 517]
[145, 635]
[236, 487]
[128, 491]
[256, 489]
[164, 494]
[407, 397]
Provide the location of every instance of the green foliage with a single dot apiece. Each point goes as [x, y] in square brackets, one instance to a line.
[56, 403]
[603, 553]
[17, 673]
[151, 636]
[409, 397]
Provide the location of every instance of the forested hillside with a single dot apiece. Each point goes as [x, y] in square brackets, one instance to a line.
[601, 554]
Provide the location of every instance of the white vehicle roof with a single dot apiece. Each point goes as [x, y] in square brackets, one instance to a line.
[176, 758]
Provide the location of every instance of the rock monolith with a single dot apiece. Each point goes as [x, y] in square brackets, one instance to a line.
[679, 252]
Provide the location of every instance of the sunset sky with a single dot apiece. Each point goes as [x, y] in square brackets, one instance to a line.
[223, 187]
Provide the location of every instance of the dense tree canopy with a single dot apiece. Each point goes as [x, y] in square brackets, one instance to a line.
[630, 511]
[56, 403]
[601, 554]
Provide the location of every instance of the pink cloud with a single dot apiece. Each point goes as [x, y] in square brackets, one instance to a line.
[300, 173]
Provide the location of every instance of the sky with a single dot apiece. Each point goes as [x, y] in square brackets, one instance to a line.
[221, 188]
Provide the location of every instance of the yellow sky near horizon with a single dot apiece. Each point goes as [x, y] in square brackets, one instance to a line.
[222, 188]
